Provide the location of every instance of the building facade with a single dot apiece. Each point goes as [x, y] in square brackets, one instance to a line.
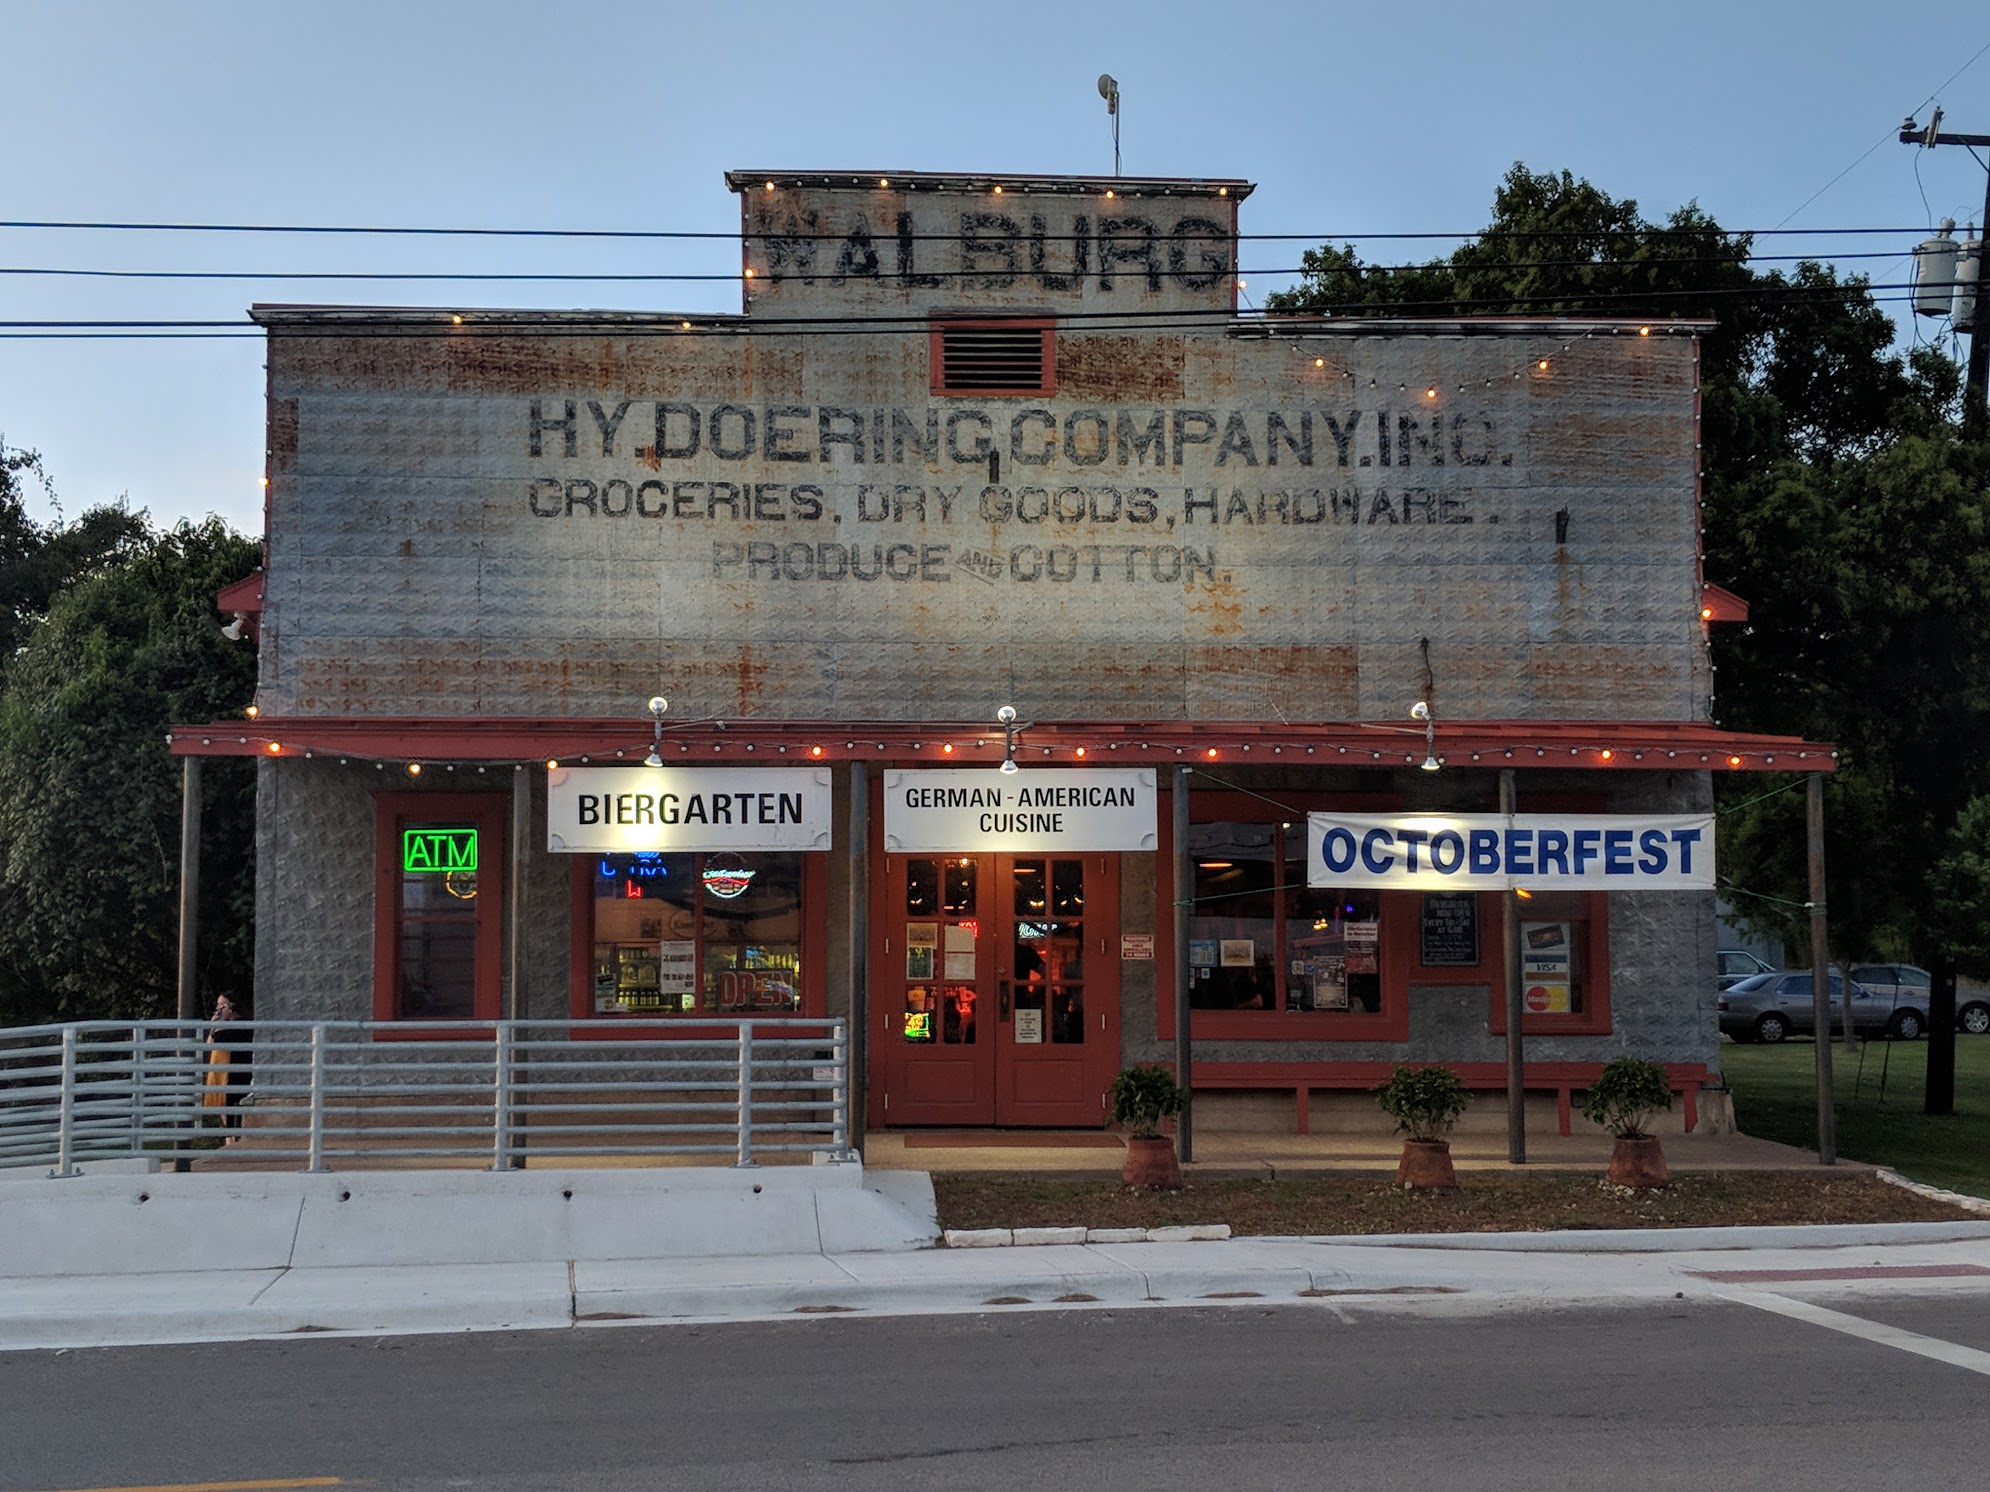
[977, 443]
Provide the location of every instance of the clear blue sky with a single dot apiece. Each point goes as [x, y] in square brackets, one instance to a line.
[1352, 119]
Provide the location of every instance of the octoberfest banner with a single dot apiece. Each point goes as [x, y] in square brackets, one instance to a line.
[1495, 852]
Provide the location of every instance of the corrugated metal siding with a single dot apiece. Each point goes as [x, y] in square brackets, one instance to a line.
[810, 560]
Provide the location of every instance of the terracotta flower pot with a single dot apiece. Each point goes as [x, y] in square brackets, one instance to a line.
[1150, 1161]
[1638, 1162]
[1426, 1166]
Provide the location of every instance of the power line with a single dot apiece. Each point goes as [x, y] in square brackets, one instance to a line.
[734, 234]
[533, 276]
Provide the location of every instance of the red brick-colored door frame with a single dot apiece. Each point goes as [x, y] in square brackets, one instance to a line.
[391, 813]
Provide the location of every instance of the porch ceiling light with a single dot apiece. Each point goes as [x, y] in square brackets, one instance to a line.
[1011, 728]
[657, 705]
[1421, 711]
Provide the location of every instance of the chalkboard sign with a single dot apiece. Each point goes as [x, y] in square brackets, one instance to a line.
[1450, 929]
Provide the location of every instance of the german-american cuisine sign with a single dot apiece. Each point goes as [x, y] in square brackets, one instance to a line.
[1044, 810]
[621, 810]
[1495, 852]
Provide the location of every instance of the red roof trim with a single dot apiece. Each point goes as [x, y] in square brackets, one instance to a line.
[1718, 604]
[244, 595]
[1596, 744]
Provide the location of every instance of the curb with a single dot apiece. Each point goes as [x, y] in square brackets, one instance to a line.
[1934, 1193]
[1669, 1240]
[992, 1238]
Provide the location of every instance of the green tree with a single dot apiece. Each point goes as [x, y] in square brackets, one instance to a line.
[90, 796]
[1840, 497]
[38, 560]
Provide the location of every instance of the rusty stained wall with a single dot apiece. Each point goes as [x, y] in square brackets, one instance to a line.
[817, 250]
[1196, 526]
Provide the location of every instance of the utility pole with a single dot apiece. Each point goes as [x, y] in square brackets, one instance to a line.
[1938, 1096]
[1976, 383]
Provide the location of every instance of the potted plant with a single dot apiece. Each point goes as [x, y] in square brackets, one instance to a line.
[1425, 1102]
[1141, 1098]
[1622, 1099]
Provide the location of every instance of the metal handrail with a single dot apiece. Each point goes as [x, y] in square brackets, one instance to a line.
[321, 1092]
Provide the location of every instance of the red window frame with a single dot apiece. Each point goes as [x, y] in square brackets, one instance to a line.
[1046, 326]
[391, 813]
[580, 959]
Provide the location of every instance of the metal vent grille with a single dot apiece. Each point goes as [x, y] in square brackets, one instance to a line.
[992, 357]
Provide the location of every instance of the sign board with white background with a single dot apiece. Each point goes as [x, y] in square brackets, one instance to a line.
[1492, 852]
[626, 810]
[1035, 810]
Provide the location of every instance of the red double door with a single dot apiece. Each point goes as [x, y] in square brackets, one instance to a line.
[995, 990]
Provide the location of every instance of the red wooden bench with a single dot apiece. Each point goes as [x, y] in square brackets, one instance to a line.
[1563, 1079]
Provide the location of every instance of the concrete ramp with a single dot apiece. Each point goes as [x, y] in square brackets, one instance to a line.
[167, 1223]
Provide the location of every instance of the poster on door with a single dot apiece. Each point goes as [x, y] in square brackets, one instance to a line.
[1545, 963]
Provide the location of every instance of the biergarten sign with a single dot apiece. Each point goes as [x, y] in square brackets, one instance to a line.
[624, 810]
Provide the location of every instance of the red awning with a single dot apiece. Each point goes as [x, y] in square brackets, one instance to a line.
[1660, 745]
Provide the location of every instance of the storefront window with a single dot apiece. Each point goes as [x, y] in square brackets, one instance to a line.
[1233, 936]
[1261, 939]
[683, 934]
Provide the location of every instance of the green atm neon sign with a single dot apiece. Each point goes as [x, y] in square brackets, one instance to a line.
[438, 851]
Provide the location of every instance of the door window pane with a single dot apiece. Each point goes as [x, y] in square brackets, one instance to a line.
[939, 941]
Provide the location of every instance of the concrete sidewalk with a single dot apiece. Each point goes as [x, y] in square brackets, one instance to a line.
[1479, 1273]
[128, 1259]
[244, 1250]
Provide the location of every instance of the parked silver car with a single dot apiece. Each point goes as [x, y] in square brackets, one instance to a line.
[1732, 965]
[1769, 1007]
[1914, 986]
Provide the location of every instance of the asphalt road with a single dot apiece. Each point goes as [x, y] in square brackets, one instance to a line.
[1319, 1395]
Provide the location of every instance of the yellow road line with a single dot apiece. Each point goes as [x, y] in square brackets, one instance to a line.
[276, 1482]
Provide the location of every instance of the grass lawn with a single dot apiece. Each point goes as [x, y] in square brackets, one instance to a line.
[1877, 1092]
